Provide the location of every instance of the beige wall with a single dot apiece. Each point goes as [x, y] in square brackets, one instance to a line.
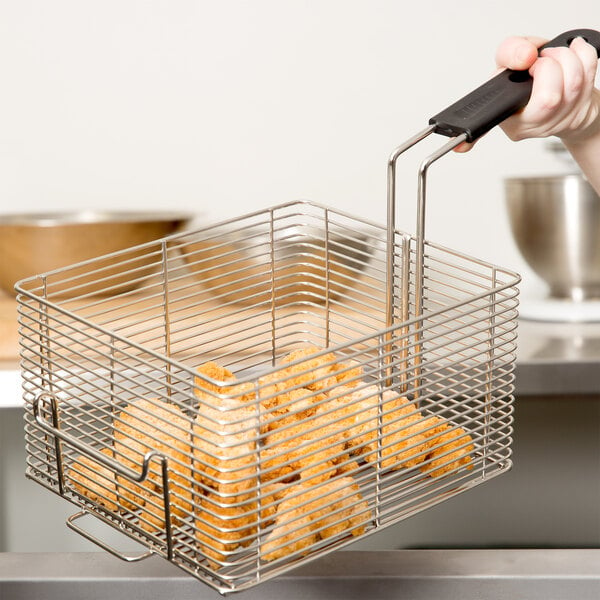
[224, 107]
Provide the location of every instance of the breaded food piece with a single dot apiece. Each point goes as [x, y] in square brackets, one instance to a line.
[152, 514]
[346, 510]
[290, 390]
[270, 386]
[221, 529]
[224, 443]
[450, 448]
[209, 392]
[214, 371]
[403, 445]
[307, 514]
[308, 450]
[344, 408]
[384, 428]
[153, 424]
[314, 373]
[224, 435]
[288, 407]
[348, 373]
[97, 482]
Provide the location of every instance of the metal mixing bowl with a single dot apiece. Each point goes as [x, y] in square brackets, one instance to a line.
[555, 222]
[295, 263]
[31, 244]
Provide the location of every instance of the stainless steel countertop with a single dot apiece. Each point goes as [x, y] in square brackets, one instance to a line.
[558, 358]
[398, 574]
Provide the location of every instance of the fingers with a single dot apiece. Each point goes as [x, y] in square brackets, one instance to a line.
[518, 53]
[588, 56]
[557, 77]
[563, 101]
[562, 93]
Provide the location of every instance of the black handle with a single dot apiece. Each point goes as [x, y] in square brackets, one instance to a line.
[500, 97]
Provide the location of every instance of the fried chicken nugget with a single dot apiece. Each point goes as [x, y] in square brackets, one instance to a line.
[98, 482]
[449, 449]
[214, 371]
[314, 373]
[348, 373]
[225, 434]
[284, 391]
[307, 514]
[288, 407]
[224, 443]
[309, 450]
[153, 424]
[208, 391]
[381, 427]
[221, 529]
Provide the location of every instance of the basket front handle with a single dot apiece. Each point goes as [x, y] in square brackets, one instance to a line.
[55, 431]
[95, 540]
[497, 99]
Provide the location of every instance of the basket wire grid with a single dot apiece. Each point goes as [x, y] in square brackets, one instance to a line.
[133, 416]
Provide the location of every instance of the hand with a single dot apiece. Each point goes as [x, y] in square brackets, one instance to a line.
[563, 100]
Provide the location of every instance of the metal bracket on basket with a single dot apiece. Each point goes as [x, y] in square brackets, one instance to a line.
[70, 522]
[419, 257]
[54, 430]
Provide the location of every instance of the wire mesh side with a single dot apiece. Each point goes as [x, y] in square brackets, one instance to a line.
[240, 438]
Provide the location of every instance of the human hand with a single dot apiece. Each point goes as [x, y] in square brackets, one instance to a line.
[564, 101]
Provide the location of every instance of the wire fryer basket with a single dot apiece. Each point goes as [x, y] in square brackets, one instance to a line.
[252, 395]
[247, 406]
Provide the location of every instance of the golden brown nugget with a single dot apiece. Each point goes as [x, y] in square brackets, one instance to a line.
[288, 407]
[209, 392]
[307, 514]
[348, 373]
[224, 449]
[283, 391]
[314, 373]
[450, 448]
[346, 510]
[343, 408]
[152, 514]
[224, 433]
[384, 428]
[98, 482]
[305, 449]
[147, 425]
[270, 386]
[358, 411]
[222, 529]
[214, 371]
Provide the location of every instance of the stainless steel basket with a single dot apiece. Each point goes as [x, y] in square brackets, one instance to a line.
[282, 384]
[199, 488]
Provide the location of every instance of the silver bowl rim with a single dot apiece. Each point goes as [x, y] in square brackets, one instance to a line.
[546, 178]
[92, 217]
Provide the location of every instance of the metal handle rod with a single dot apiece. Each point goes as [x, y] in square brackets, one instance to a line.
[391, 223]
[420, 240]
[92, 538]
[420, 249]
[421, 206]
[390, 300]
[89, 451]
